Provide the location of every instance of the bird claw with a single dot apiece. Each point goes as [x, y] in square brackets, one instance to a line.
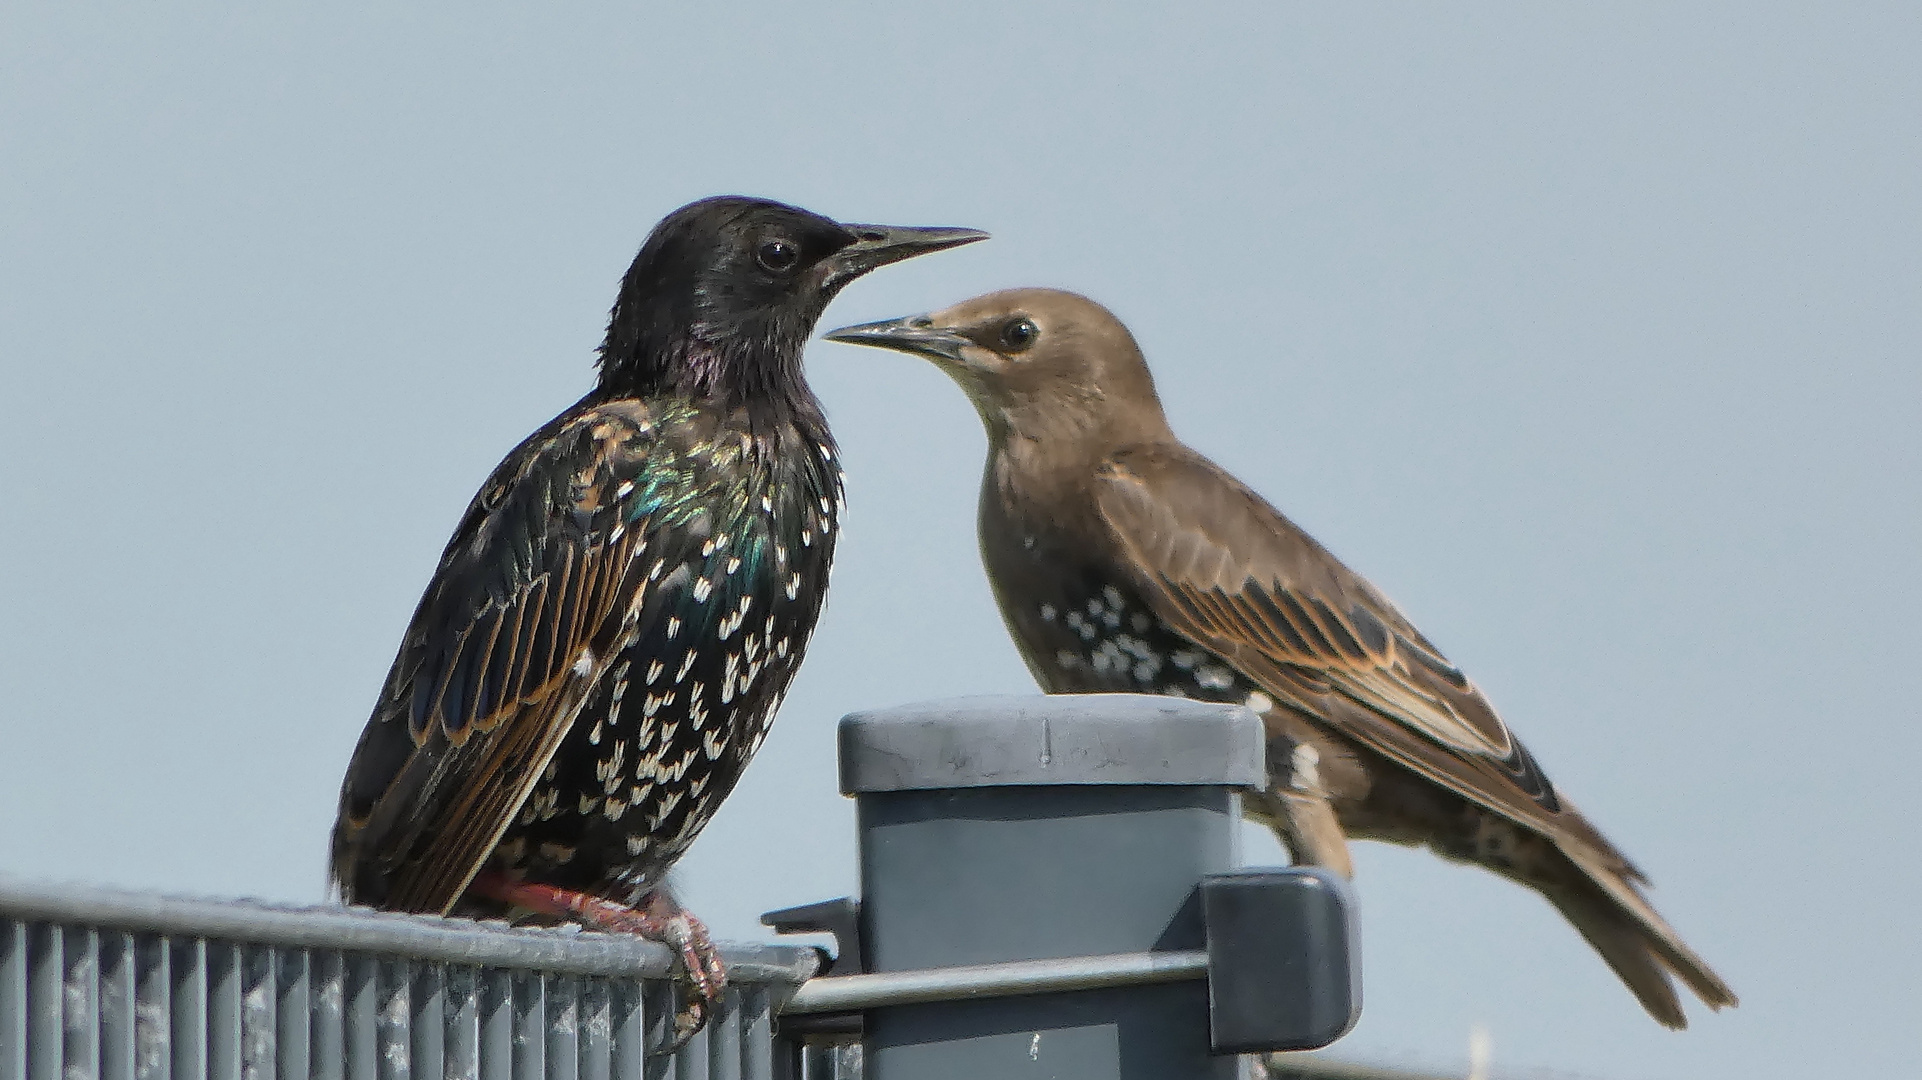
[656, 918]
[700, 961]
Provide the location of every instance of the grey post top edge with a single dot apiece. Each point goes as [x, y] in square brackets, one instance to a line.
[1031, 740]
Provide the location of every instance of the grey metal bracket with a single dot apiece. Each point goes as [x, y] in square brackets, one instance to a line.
[840, 917]
[1283, 969]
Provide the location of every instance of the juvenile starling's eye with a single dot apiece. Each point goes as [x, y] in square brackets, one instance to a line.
[777, 256]
[1019, 334]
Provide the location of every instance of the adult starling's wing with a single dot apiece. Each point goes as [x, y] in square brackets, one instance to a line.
[1230, 572]
[538, 589]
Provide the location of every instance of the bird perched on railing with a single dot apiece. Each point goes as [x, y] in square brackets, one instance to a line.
[623, 604]
[1122, 560]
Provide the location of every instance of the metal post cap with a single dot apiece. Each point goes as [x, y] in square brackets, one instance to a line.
[1034, 740]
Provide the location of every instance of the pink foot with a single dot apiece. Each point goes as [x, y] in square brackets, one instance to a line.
[658, 918]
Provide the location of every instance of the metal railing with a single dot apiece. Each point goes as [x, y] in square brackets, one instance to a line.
[1106, 910]
[134, 987]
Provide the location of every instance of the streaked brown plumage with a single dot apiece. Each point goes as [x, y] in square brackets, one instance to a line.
[1124, 561]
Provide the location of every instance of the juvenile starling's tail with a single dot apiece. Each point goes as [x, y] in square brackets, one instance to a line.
[1611, 913]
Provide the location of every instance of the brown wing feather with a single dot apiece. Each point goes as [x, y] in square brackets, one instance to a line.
[520, 620]
[1227, 569]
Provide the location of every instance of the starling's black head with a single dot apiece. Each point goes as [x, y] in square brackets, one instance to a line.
[725, 292]
[1037, 363]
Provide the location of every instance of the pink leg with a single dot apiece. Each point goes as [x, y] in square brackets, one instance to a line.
[658, 918]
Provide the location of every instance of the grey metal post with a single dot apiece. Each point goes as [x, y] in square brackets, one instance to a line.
[1000, 829]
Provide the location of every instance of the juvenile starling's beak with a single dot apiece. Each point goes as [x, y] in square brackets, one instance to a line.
[876, 246]
[915, 334]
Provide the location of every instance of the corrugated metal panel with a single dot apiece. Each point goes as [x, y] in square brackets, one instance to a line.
[131, 987]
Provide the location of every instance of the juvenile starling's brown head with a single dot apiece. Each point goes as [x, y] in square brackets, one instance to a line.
[1038, 363]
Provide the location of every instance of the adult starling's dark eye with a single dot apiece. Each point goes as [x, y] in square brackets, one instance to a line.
[777, 256]
[1019, 334]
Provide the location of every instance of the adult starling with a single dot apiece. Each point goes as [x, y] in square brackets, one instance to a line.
[1125, 561]
[623, 604]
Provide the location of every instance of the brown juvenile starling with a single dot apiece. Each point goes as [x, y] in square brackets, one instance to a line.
[623, 604]
[1124, 561]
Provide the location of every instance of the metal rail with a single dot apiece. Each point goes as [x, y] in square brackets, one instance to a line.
[123, 986]
[852, 993]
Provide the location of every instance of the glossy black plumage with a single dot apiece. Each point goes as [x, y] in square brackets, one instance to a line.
[620, 609]
[1123, 560]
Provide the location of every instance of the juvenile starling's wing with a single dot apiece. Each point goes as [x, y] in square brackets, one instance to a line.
[540, 585]
[1231, 573]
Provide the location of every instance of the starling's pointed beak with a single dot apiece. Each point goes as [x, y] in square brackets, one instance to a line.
[876, 246]
[915, 334]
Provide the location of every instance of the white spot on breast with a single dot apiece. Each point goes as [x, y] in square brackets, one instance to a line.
[673, 626]
[668, 802]
[793, 586]
[713, 742]
[654, 669]
[807, 538]
[1210, 677]
[1047, 613]
[1140, 622]
[702, 588]
[608, 769]
[1305, 764]
[1260, 702]
[637, 843]
[1066, 660]
[612, 809]
[687, 661]
[733, 564]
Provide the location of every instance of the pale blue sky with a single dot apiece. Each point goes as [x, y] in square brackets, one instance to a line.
[1591, 336]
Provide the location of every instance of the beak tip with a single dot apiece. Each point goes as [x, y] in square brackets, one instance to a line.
[915, 334]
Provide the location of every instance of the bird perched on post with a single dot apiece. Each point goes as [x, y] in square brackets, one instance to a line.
[622, 606]
[1122, 560]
